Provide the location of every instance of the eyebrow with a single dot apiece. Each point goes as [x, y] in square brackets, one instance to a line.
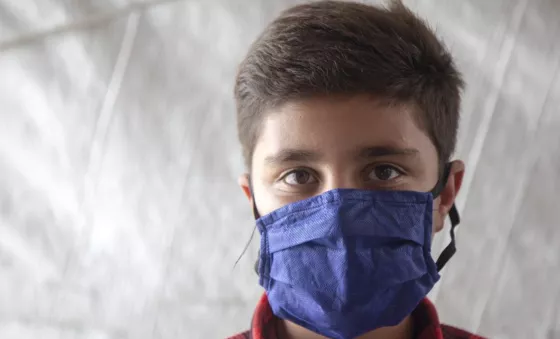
[383, 151]
[290, 155]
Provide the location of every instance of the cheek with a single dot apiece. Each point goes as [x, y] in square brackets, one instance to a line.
[437, 221]
[264, 199]
[266, 204]
[269, 200]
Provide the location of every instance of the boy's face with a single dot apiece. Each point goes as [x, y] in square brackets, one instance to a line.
[308, 147]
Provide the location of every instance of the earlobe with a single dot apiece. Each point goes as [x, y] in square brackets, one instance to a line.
[244, 183]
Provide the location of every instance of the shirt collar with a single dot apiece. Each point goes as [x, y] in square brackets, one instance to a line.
[425, 318]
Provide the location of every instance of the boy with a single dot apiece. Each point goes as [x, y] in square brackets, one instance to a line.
[347, 115]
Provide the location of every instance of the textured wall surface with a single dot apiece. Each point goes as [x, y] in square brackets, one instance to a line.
[119, 211]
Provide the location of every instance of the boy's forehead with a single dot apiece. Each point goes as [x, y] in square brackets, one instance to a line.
[340, 126]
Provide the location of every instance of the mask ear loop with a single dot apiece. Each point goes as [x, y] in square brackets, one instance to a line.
[257, 216]
[255, 210]
[450, 249]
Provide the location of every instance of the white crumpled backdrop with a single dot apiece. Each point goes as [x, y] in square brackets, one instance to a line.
[119, 211]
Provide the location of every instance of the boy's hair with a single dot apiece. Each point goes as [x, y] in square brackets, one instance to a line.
[345, 48]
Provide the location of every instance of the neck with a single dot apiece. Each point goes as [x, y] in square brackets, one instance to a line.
[404, 330]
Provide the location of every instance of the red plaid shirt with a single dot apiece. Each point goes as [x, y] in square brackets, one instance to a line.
[425, 318]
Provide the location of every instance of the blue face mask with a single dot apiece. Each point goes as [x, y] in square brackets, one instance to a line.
[349, 261]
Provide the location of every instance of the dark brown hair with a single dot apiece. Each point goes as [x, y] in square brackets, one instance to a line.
[347, 48]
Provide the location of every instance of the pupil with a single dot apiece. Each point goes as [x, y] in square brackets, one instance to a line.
[384, 172]
[301, 177]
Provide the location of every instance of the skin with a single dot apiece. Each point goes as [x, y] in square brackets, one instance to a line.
[311, 146]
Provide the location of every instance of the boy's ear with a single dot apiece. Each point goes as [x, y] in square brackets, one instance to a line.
[243, 182]
[449, 192]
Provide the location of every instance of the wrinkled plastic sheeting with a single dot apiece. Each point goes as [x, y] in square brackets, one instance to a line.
[119, 211]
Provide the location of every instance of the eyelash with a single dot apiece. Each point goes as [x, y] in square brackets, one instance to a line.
[296, 170]
[397, 169]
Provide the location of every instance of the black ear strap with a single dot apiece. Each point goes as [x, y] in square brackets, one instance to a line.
[450, 250]
[440, 185]
[255, 210]
[257, 215]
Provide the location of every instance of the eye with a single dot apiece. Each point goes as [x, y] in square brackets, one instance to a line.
[298, 177]
[384, 173]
